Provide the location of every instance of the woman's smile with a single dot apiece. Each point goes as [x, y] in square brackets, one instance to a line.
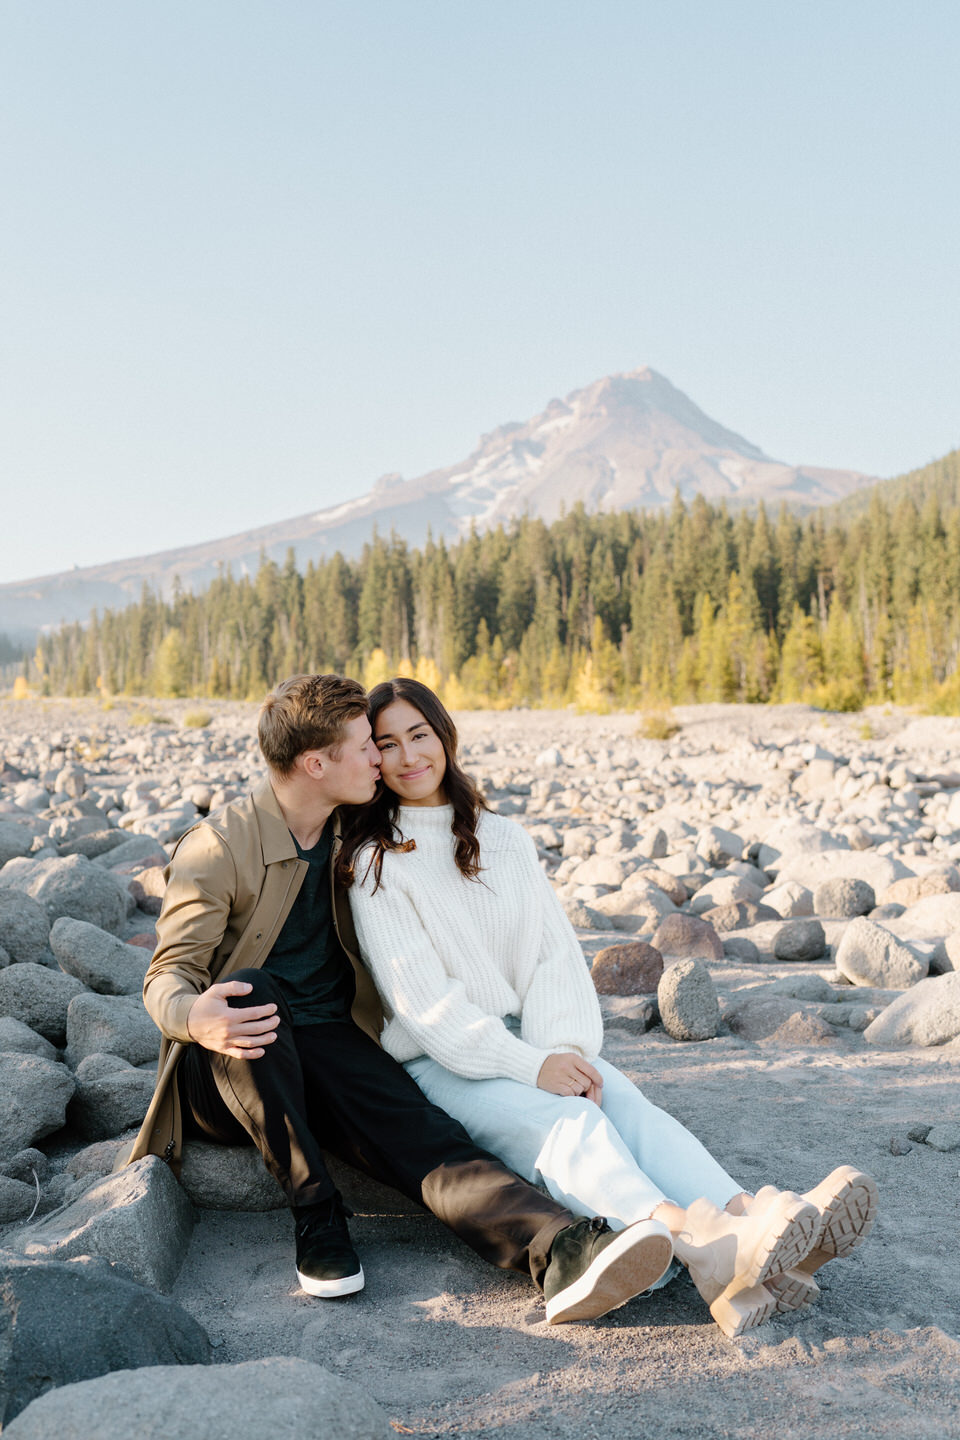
[413, 762]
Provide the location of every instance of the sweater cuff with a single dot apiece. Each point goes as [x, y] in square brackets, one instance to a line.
[522, 1062]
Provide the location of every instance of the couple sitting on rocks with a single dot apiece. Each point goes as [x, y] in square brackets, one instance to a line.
[360, 957]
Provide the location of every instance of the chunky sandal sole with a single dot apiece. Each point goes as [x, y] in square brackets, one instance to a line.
[626, 1267]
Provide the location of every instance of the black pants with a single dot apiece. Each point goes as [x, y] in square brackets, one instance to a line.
[330, 1087]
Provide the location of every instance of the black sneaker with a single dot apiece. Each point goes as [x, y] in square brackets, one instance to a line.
[327, 1263]
[593, 1269]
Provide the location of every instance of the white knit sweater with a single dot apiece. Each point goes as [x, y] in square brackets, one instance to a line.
[451, 957]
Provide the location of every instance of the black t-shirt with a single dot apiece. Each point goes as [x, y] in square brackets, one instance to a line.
[315, 974]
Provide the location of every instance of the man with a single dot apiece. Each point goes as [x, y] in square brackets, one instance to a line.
[270, 1029]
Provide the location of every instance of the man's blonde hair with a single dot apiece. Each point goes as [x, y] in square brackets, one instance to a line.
[307, 712]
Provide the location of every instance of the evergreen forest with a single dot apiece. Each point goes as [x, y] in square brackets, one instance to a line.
[853, 605]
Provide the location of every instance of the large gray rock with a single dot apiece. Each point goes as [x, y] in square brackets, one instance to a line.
[717, 846]
[280, 1398]
[35, 1096]
[64, 1322]
[869, 955]
[136, 849]
[106, 1104]
[879, 871]
[139, 1218]
[228, 1177]
[926, 1014]
[843, 899]
[14, 1035]
[38, 997]
[15, 840]
[94, 844]
[24, 928]
[110, 1025]
[795, 838]
[800, 940]
[687, 1000]
[98, 959]
[774, 1018]
[738, 915]
[17, 1199]
[724, 890]
[687, 937]
[75, 886]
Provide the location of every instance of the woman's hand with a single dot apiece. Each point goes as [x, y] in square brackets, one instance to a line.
[568, 1074]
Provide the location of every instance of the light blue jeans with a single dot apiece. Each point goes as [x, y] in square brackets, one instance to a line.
[620, 1160]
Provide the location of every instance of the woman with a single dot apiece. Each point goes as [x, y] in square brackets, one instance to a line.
[491, 1009]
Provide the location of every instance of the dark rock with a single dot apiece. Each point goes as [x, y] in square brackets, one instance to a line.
[77, 887]
[900, 1145]
[62, 1322]
[16, 840]
[800, 940]
[634, 1014]
[95, 844]
[25, 1165]
[105, 1105]
[14, 1035]
[919, 1132]
[632, 969]
[843, 899]
[739, 948]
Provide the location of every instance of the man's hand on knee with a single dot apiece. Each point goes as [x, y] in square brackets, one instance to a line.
[240, 1031]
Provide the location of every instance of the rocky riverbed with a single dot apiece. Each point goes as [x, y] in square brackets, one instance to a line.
[770, 901]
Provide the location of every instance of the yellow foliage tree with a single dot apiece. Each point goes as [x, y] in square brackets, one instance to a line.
[377, 669]
[428, 673]
[21, 690]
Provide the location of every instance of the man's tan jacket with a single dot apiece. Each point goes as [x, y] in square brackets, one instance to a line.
[231, 883]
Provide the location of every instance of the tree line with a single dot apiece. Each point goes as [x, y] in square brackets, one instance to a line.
[691, 603]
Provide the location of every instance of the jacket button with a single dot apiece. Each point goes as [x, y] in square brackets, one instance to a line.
[285, 864]
[259, 934]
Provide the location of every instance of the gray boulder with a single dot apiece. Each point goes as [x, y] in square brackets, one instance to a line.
[98, 959]
[944, 1138]
[35, 1096]
[63, 1322]
[15, 840]
[687, 1000]
[94, 844]
[717, 846]
[800, 940]
[843, 899]
[14, 1035]
[738, 915]
[110, 1025]
[926, 1014]
[228, 1177]
[584, 917]
[75, 886]
[280, 1398]
[879, 871]
[869, 955]
[17, 1199]
[136, 849]
[107, 1103]
[38, 997]
[802, 987]
[27, 1166]
[775, 1018]
[741, 949]
[24, 928]
[139, 1218]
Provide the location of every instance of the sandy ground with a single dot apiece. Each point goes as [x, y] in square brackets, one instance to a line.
[450, 1347]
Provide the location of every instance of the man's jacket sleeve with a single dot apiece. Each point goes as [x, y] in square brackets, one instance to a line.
[201, 888]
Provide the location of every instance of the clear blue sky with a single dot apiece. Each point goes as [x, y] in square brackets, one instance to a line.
[256, 254]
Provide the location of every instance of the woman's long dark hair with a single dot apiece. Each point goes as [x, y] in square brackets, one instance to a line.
[376, 823]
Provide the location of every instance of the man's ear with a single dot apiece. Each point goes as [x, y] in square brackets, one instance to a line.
[312, 763]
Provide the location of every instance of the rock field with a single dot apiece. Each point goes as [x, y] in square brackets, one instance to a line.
[770, 903]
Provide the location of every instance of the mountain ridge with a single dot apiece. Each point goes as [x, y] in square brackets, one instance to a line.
[625, 441]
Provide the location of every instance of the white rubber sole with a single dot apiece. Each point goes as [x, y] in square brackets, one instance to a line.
[330, 1289]
[630, 1264]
